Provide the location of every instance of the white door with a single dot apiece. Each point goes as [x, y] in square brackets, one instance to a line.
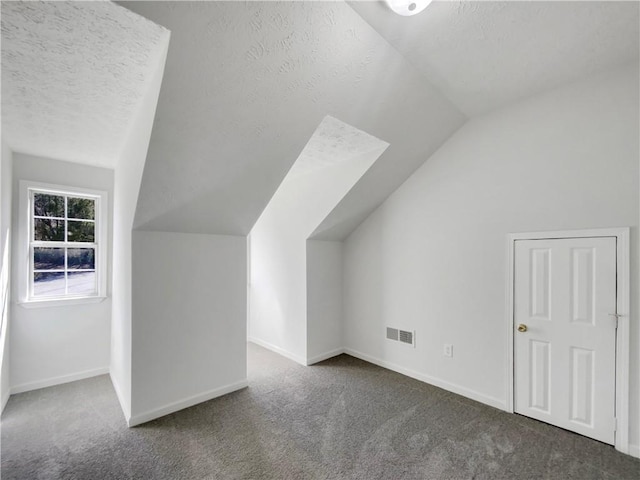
[565, 335]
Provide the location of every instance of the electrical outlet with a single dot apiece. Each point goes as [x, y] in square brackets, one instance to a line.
[448, 350]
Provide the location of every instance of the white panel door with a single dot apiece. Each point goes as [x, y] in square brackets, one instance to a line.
[565, 293]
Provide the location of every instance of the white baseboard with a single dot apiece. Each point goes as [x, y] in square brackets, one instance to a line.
[184, 403]
[324, 356]
[451, 387]
[634, 450]
[123, 405]
[50, 382]
[278, 350]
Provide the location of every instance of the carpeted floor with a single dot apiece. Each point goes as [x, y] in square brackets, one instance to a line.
[342, 418]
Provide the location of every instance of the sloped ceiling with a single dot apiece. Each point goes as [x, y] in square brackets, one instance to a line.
[334, 159]
[245, 86]
[73, 76]
[482, 55]
[333, 142]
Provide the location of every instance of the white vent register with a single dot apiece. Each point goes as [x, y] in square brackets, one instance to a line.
[402, 336]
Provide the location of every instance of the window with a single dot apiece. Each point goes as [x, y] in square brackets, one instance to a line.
[65, 243]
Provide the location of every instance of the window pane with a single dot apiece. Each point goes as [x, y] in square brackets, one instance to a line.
[48, 229]
[48, 258]
[81, 208]
[81, 259]
[48, 284]
[45, 205]
[82, 283]
[80, 231]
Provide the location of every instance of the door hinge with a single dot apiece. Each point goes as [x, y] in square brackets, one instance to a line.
[616, 317]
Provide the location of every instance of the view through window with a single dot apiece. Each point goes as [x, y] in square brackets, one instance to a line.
[63, 245]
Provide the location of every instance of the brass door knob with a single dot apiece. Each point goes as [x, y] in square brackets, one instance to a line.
[522, 327]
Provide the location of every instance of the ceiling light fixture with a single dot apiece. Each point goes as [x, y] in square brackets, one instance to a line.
[407, 8]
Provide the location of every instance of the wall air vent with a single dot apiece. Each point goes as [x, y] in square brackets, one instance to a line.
[406, 337]
[402, 336]
[392, 333]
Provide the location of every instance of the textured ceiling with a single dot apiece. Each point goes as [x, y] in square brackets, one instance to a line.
[482, 55]
[73, 75]
[245, 86]
[333, 142]
[247, 83]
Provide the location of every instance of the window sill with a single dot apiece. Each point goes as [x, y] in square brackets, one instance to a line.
[60, 302]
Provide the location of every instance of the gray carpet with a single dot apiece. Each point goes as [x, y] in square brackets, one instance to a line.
[342, 418]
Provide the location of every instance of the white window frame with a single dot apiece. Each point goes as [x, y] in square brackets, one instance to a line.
[25, 263]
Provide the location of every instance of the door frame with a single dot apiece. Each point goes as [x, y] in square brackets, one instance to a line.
[623, 309]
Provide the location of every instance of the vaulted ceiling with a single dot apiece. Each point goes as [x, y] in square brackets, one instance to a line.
[483, 55]
[73, 77]
[245, 86]
[247, 83]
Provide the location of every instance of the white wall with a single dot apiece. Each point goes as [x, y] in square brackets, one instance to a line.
[189, 329]
[324, 299]
[6, 179]
[51, 345]
[278, 298]
[433, 256]
[277, 312]
[128, 175]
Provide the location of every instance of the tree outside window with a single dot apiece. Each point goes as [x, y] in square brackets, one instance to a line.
[62, 245]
